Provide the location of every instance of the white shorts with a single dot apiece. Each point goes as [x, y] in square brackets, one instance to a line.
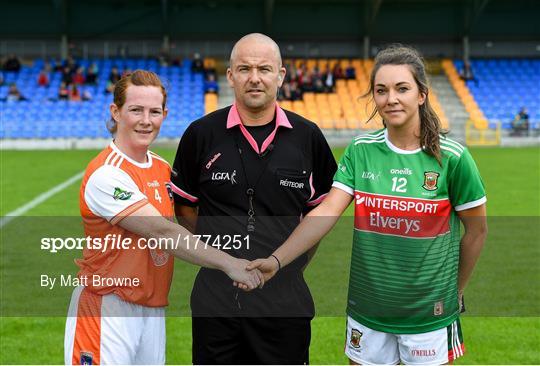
[109, 330]
[367, 346]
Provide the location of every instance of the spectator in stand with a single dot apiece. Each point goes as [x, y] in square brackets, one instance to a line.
[78, 77]
[328, 78]
[520, 124]
[284, 93]
[57, 65]
[86, 96]
[350, 72]
[114, 76]
[164, 58]
[197, 64]
[12, 63]
[211, 85]
[67, 76]
[316, 80]
[71, 64]
[467, 73]
[299, 74]
[43, 78]
[1, 78]
[306, 84]
[290, 72]
[74, 93]
[337, 71]
[210, 69]
[47, 67]
[14, 94]
[92, 73]
[318, 86]
[296, 92]
[63, 92]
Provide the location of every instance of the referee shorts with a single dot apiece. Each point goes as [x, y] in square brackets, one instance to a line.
[254, 341]
[108, 330]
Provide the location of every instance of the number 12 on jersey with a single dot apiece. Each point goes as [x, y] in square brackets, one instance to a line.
[399, 184]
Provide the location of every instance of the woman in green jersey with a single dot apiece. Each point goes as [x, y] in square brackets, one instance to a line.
[411, 188]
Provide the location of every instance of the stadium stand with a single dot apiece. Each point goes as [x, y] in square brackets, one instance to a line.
[475, 114]
[43, 116]
[346, 108]
[503, 86]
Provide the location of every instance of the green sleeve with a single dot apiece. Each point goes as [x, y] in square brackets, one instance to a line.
[466, 188]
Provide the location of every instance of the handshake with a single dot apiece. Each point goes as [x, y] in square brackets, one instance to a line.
[248, 275]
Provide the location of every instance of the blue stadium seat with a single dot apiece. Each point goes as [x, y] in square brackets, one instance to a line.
[504, 86]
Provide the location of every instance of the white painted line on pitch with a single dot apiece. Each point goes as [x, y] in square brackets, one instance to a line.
[39, 199]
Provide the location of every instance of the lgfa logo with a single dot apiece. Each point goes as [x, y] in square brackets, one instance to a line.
[370, 175]
[220, 176]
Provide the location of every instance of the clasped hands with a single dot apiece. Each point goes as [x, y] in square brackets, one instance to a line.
[248, 275]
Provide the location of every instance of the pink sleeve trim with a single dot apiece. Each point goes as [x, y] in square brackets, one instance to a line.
[317, 201]
[183, 194]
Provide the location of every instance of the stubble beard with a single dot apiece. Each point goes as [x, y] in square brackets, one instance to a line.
[256, 104]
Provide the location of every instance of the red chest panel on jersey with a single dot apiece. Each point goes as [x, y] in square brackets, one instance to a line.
[401, 216]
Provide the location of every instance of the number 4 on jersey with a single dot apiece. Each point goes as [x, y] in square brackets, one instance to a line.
[157, 196]
[399, 184]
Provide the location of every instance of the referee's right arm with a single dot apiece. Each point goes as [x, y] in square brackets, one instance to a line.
[184, 179]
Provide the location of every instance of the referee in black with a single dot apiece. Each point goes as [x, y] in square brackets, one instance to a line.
[245, 175]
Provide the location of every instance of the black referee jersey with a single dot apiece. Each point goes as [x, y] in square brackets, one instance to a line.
[250, 196]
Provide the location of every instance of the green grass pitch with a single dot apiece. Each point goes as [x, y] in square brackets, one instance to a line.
[501, 326]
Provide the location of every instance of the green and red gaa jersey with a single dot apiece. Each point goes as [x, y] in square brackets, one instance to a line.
[406, 242]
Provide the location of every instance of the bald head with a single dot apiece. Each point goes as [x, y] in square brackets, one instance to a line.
[253, 41]
[255, 74]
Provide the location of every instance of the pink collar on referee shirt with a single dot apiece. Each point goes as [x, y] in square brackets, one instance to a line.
[233, 119]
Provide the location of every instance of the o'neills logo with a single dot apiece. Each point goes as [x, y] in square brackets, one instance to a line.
[290, 183]
[423, 352]
[401, 216]
[404, 171]
[212, 161]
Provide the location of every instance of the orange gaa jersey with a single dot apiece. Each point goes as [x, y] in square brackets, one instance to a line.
[114, 187]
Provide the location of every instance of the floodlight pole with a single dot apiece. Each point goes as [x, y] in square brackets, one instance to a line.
[268, 14]
[166, 46]
[472, 13]
[62, 10]
[64, 47]
[371, 11]
[466, 48]
[366, 47]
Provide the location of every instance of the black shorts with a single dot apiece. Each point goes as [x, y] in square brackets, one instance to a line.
[251, 340]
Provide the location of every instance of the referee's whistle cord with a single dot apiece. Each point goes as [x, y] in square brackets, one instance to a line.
[237, 301]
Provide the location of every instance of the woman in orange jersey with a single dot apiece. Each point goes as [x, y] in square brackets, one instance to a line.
[117, 317]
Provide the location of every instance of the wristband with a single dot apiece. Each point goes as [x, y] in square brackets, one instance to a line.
[278, 262]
